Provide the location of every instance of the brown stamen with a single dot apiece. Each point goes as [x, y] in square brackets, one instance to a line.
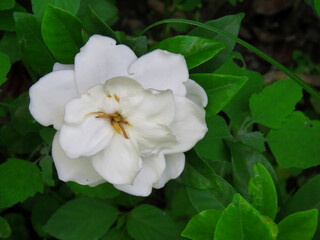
[117, 98]
[124, 131]
[116, 126]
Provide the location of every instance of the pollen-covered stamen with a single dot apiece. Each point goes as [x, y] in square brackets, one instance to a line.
[116, 121]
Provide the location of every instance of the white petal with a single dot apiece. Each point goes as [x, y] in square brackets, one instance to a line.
[58, 66]
[87, 137]
[94, 100]
[122, 87]
[151, 137]
[174, 167]
[161, 70]
[151, 171]
[196, 93]
[119, 162]
[99, 60]
[155, 106]
[189, 125]
[49, 96]
[79, 170]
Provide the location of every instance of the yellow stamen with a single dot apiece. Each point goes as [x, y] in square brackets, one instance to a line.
[116, 126]
[117, 98]
[124, 131]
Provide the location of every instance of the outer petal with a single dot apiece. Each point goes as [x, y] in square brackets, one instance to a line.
[119, 162]
[196, 93]
[151, 171]
[174, 167]
[49, 96]
[86, 138]
[161, 70]
[189, 125]
[99, 60]
[79, 170]
[58, 66]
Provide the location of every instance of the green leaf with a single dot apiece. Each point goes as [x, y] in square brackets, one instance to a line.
[81, 219]
[242, 222]
[230, 24]
[7, 4]
[216, 199]
[219, 88]
[243, 159]
[198, 174]
[212, 147]
[5, 230]
[18, 226]
[263, 194]
[138, 44]
[105, 10]
[300, 225]
[240, 102]
[9, 45]
[4, 67]
[196, 50]
[93, 24]
[6, 18]
[41, 211]
[202, 225]
[47, 134]
[296, 143]
[147, 222]
[34, 51]
[317, 6]
[115, 234]
[46, 164]
[61, 31]
[19, 180]
[105, 190]
[39, 6]
[277, 101]
[253, 139]
[21, 117]
[179, 201]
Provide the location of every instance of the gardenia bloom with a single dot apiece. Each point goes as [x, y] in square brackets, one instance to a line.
[120, 119]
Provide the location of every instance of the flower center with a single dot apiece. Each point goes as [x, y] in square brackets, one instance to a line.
[116, 121]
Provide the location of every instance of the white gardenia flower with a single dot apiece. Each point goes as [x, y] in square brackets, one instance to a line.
[120, 119]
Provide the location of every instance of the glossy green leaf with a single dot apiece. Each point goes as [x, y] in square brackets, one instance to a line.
[138, 44]
[219, 88]
[7, 4]
[202, 225]
[275, 103]
[212, 147]
[6, 18]
[179, 201]
[105, 10]
[41, 211]
[61, 31]
[240, 102]
[5, 66]
[253, 139]
[263, 194]
[19, 180]
[46, 165]
[18, 226]
[21, 117]
[230, 24]
[242, 222]
[105, 190]
[5, 230]
[9, 45]
[317, 6]
[216, 199]
[39, 6]
[197, 173]
[92, 23]
[115, 234]
[196, 50]
[300, 225]
[243, 159]
[35, 53]
[296, 143]
[81, 219]
[147, 222]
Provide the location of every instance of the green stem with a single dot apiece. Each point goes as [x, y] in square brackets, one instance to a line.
[264, 56]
